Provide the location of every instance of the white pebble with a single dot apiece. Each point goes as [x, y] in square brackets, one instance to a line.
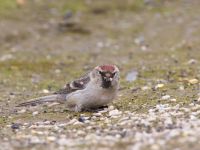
[115, 112]
[173, 100]
[165, 97]
[159, 86]
[144, 88]
[45, 91]
[35, 113]
[111, 107]
[97, 114]
[21, 111]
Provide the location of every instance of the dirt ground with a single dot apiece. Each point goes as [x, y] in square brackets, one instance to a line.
[46, 43]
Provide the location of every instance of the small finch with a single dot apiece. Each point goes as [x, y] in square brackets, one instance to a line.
[96, 89]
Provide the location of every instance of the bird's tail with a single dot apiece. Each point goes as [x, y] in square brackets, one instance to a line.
[41, 100]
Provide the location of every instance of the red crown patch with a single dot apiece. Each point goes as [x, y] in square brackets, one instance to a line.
[110, 68]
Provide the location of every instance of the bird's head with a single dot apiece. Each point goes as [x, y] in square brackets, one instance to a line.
[107, 76]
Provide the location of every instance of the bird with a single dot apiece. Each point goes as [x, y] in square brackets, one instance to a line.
[95, 89]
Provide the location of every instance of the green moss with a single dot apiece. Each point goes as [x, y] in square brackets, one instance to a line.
[2, 120]
[14, 65]
[7, 7]
[75, 6]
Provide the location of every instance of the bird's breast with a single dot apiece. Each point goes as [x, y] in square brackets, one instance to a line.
[92, 97]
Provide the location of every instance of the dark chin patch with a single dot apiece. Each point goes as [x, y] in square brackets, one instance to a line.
[106, 84]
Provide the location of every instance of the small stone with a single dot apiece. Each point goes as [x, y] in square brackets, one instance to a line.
[193, 81]
[51, 138]
[144, 88]
[115, 112]
[77, 123]
[53, 104]
[81, 119]
[57, 71]
[168, 121]
[15, 126]
[35, 140]
[80, 132]
[132, 76]
[35, 113]
[173, 100]
[159, 86]
[165, 97]
[89, 127]
[21, 111]
[192, 61]
[139, 40]
[181, 88]
[97, 114]
[100, 44]
[45, 91]
[192, 117]
[93, 118]
[118, 136]
[111, 107]
[6, 57]
[72, 121]
[144, 48]
[87, 121]
[64, 141]
[155, 147]
[104, 110]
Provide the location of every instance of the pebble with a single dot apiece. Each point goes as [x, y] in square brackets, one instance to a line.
[192, 61]
[64, 141]
[72, 121]
[97, 114]
[77, 123]
[144, 48]
[35, 140]
[165, 97]
[80, 132]
[144, 88]
[21, 111]
[35, 113]
[193, 81]
[45, 91]
[155, 147]
[57, 71]
[159, 86]
[173, 100]
[181, 88]
[111, 107]
[132, 76]
[81, 119]
[15, 126]
[6, 57]
[139, 40]
[51, 138]
[115, 112]
[168, 121]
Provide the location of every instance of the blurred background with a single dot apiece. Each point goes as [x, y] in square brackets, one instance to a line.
[69, 37]
[46, 43]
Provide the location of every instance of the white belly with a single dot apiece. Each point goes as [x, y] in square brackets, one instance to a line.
[88, 98]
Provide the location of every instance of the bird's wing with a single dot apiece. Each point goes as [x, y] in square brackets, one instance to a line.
[75, 85]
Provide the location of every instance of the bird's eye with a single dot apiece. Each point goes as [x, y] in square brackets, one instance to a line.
[100, 72]
[114, 73]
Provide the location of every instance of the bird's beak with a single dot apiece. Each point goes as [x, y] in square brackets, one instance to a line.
[108, 79]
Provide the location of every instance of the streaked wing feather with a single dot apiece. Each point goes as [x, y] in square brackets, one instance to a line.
[74, 85]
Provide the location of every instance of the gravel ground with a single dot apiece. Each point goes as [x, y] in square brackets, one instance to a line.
[163, 127]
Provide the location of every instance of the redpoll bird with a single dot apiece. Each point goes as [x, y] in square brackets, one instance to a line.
[97, 88]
